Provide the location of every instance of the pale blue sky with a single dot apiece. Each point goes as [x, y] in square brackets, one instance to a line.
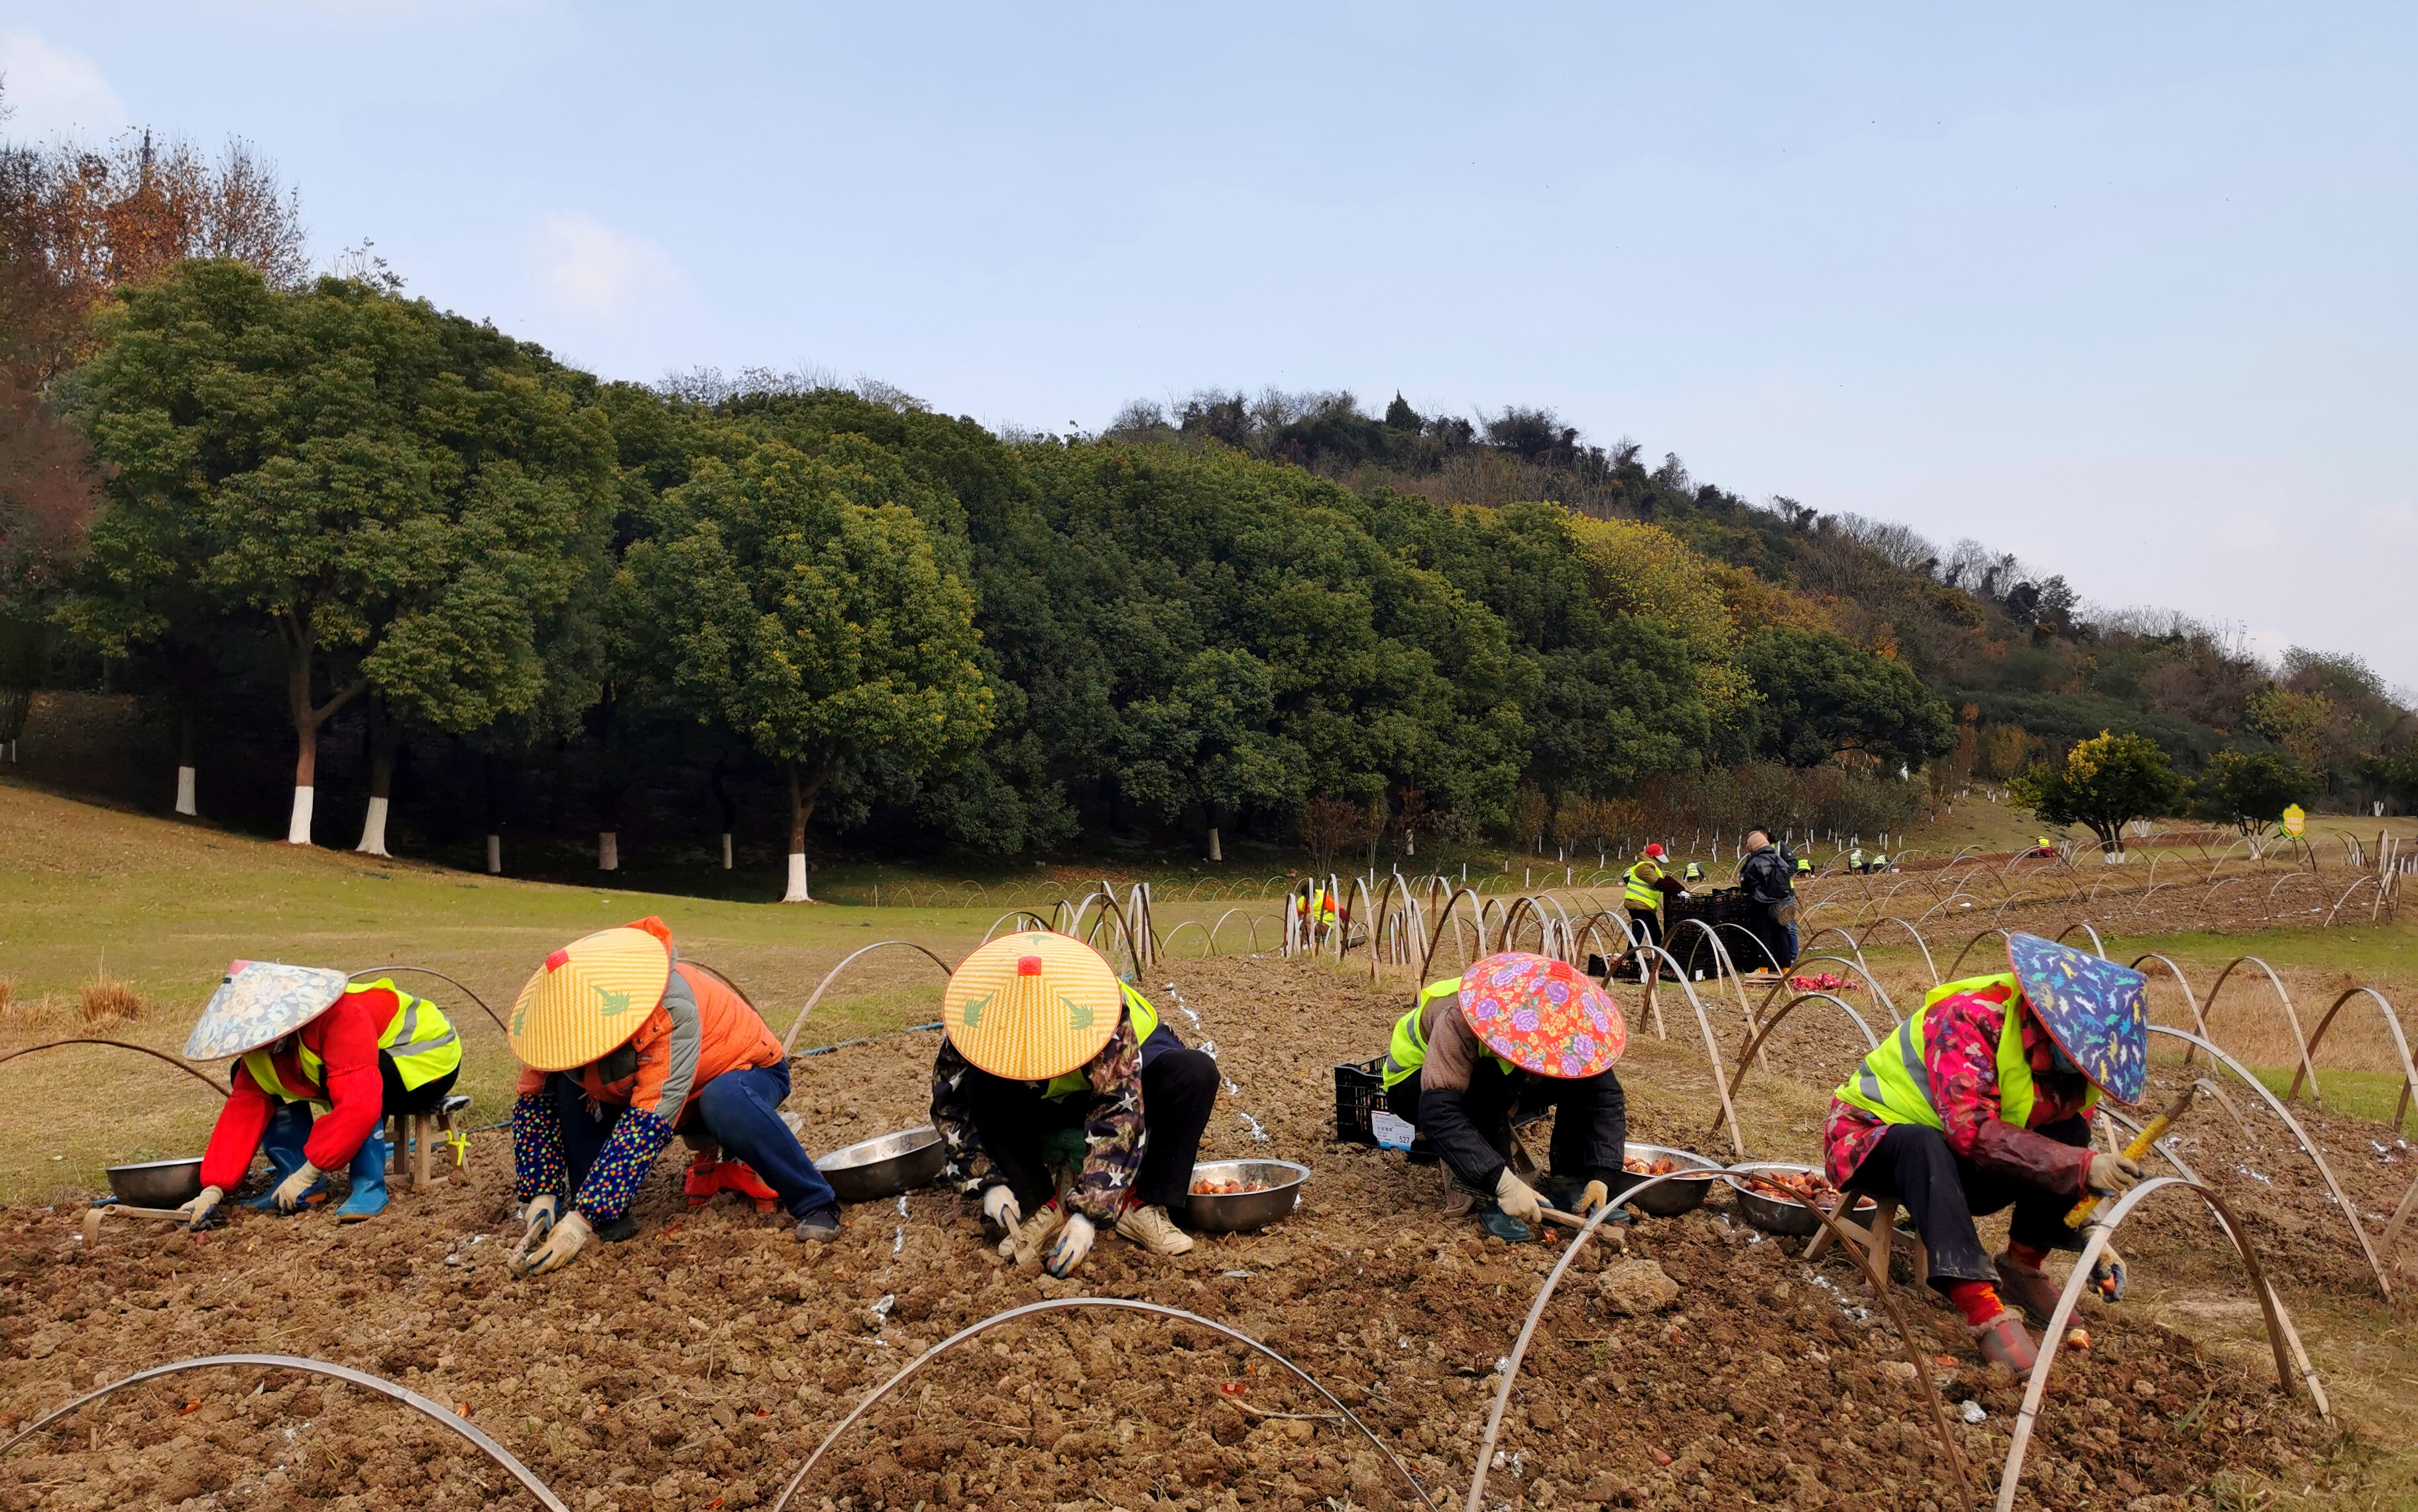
[2126, 290]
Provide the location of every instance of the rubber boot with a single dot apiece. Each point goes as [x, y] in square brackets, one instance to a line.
[368, 1198]
[703, 1178]
[740, 1177]
[1502, 1226]
[281, 1141]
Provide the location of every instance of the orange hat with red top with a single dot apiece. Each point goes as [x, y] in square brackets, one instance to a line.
[590, 996]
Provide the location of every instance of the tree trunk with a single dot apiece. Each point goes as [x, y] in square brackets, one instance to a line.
[299, 657]
[725, 850]
[494, 855]
[187, 738]
[306, 772]
[608, 851]
[1214, 853]
[385, 736]
[729, 810]
[804, 790]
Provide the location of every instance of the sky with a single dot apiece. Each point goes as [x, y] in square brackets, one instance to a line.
[2127, 291]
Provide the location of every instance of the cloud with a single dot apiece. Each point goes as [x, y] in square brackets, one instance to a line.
[52, 91]
[582, 268]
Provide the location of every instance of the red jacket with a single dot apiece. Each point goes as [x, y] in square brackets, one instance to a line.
[345, 1037]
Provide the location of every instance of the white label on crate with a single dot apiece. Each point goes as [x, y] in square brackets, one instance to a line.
[1391, 1132]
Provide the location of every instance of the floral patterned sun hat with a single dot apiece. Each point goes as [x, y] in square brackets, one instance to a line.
[259, 1002]
[1543, 1015]
[2097, 1010]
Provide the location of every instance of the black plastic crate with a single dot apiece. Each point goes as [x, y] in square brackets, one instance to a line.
[1359, 1091]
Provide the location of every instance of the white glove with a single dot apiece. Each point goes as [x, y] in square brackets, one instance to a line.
[1596, 1196]
[538, 1214]
[999, 1206]
[1073, 1242]
[289, 1191]
[2113, 1175]
[562, 1245]
[2110, 1277]
[1517, 1199]
[197, 1212]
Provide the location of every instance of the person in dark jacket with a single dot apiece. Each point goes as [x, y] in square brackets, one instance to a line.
[1768, 876]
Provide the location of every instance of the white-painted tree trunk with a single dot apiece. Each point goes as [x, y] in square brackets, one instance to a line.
[1214, 853]
[494, 855]
[608, 851]
[1410, 842]
[797, 893]
[374, 829]
[298, 829]
[185, 804]
[725, 850]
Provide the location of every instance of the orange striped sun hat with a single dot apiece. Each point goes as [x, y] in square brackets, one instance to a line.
[588, 997]
[1032, 1006]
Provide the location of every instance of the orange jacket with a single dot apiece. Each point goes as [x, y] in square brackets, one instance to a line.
[700, 1030]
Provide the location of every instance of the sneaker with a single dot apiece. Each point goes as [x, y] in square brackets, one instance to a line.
[820, 1226]
[2003, 1342]
[2027, 1286]
[623, 1227]
[1154, 1231]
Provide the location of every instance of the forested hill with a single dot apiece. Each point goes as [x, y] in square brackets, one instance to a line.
[354, 549]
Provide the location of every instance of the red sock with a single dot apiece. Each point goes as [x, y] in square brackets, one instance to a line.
[2023, 1254]
[1977, 1300]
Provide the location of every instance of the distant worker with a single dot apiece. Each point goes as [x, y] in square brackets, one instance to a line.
[1316, 910]
[1804, 865]
[1768, 876]
[1646, 885]
[1513, 1035]
[1694, 875]
[624, 1045]
[1981, 1102]
[309, 1039]
[1049, 1059]
[1856, 859]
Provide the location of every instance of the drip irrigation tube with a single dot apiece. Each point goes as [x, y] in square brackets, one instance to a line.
[789, 1040]
[294, 1362]
[1071, 1304]
[157, 1055]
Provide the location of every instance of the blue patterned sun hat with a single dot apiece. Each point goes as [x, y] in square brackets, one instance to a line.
[259, 1002]
[2097, 1010]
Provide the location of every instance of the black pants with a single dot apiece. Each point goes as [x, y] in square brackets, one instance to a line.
[1014, 1122]
[424, 1098]
[1590, 1121]
[1943, 1192]
[1648, 925]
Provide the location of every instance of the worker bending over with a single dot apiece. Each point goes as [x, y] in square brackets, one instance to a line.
[1049, 1060]
[1513, 1035]
[624, 1045]
[1981, 1101]
[1645, 886]
[311, 1040]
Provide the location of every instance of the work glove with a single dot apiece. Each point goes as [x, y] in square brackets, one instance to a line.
[1517, 1199]
[289, 1192]
[2112, 1175]
[999, 1206]
[197, 1212]
[1596, 1196]
[538, 1213]
[564, 1242]
[1073, 1242]
[2108, 1277]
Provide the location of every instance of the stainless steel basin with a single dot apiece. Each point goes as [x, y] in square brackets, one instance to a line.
[1238, 1212]
[872, 1169]
[1775, 1213]
[1681, 1194]
[158, 1184]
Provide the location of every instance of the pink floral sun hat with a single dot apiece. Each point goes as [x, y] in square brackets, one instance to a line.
[1543, 1015]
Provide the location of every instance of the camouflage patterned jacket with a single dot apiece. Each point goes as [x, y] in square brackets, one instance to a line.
[1113, 1134]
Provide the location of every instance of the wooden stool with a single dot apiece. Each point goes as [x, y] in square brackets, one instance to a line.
[1873, 1238]
[407, 1136]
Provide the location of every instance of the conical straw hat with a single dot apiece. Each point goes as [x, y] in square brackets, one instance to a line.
[259, 1002]
[588, 997]
[1032, 1006]
[2096, 1010]
[1543, 1015]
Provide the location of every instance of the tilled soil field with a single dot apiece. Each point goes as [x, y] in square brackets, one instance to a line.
[696, 1365]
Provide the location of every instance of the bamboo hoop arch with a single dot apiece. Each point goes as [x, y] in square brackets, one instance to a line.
[789, 1040]
[184, 1066]
[1072, 1304]
[384, 1387]
[2292, 1018]
[1756, 1042]
[2400, 1046]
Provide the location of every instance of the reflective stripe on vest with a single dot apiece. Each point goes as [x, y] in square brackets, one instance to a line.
[1894, 1081]
[418, 1039]
[1643, 896]
[1408, 1050]
[262, 1064]
[1145, 1023]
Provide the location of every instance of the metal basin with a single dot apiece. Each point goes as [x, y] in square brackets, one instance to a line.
[872, 1169]
[1244, 1211]
[1673, 1198]
[157, 1184]
[1776, 1214]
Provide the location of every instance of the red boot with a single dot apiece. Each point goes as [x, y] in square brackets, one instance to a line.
[740, 1177]
[704, 1178]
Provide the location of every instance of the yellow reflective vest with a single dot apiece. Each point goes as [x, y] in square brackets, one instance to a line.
[1894, 1082]
[419, 1039]
[1408, 1050]
[1145, 1023]
[1642, 895]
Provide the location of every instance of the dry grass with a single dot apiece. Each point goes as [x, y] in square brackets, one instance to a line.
[105, 1000]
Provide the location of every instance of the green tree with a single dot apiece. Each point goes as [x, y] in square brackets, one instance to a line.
[2250, 788]
[803, 608]
[402, 494]
[1821, 696]
[2106, 782]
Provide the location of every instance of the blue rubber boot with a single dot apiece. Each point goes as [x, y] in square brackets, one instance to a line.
[1502, 1226]
[368, 1198]
[288, 1129]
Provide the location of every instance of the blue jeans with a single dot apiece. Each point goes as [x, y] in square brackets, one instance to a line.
[741, 1109]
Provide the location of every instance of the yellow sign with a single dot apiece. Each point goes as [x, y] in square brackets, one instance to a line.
[2296, 819]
